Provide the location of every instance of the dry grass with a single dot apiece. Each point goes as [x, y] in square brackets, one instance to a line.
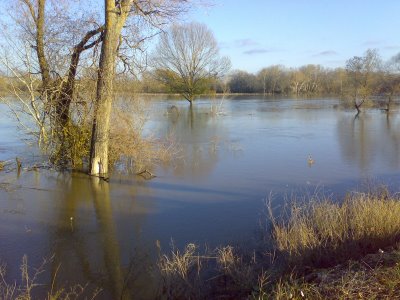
[129, 147]
[374, 276]
[180, 264]
[212, 275]
[30, 282]
[237, 274]
[320, 233]
[313, 235]
[323, 233]
[226, 258]
[180, 273]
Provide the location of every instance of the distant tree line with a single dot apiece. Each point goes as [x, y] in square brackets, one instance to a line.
[278, 79]
[361, 78]
[362, 75]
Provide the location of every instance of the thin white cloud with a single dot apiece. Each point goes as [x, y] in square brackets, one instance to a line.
[245, 43]
[260, 51]
[326, 53]
[372, 43]
[392, 47]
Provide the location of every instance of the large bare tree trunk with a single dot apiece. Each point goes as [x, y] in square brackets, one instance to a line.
[44, 67]
[115, 19]
[38, 18]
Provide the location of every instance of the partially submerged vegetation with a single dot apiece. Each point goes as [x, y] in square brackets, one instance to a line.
[324, 233]
[319, 249]
[30, 284]
[129, 148]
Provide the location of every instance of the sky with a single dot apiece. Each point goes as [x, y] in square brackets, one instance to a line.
[260, 33]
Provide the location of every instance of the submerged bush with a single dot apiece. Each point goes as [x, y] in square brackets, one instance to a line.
[128, 147]
[72, 145]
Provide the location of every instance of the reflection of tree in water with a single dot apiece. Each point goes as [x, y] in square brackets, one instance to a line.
[201, 135]
[392, 153]
[87, 247]
[367, 139]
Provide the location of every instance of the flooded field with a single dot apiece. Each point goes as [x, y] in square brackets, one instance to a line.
[234, 153]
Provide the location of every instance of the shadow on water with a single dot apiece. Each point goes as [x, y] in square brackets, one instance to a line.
[87, 243]
[70, 243]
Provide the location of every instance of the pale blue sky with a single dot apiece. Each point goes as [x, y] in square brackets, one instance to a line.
[258, 33]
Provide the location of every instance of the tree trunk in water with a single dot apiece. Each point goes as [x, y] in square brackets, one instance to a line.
[358, 106]
[115, 19]
[101, 122]
[389, 102]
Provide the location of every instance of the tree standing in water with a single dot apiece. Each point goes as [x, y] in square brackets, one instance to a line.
[187, 59]
[360, 71]
[116, 14]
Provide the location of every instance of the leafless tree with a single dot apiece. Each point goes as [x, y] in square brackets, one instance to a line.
[28, 109]
[360, 71]
[117, 13]
[43, 47]
[187, 58]
[242, 82]
[59, 39]
[389, 82]
[271, 78]
[58, 35]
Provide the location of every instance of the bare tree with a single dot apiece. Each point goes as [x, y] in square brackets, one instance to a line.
[115, 18]
[43, 48]
[242, 82]
[57, 38]
[271, 79]
[117, 12]
[24, 104]
[47, 27]
[389, 82]
[360, 71]
[187, 58]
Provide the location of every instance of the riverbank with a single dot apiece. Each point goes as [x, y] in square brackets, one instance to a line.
[374, 276]
[317, 249]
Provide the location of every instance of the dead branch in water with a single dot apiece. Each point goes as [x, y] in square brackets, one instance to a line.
[146, 174]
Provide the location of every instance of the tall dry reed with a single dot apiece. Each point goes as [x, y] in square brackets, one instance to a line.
[323, 232]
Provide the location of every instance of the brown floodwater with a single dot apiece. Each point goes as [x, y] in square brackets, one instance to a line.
[213, 194]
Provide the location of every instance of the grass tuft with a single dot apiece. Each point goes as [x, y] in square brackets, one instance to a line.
[30, 283]
[180, 273]
[323, 233]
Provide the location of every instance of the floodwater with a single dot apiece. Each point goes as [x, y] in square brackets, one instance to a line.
[234, 154]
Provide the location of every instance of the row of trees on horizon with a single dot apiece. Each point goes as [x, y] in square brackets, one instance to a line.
[362, 75]
[380, 78]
